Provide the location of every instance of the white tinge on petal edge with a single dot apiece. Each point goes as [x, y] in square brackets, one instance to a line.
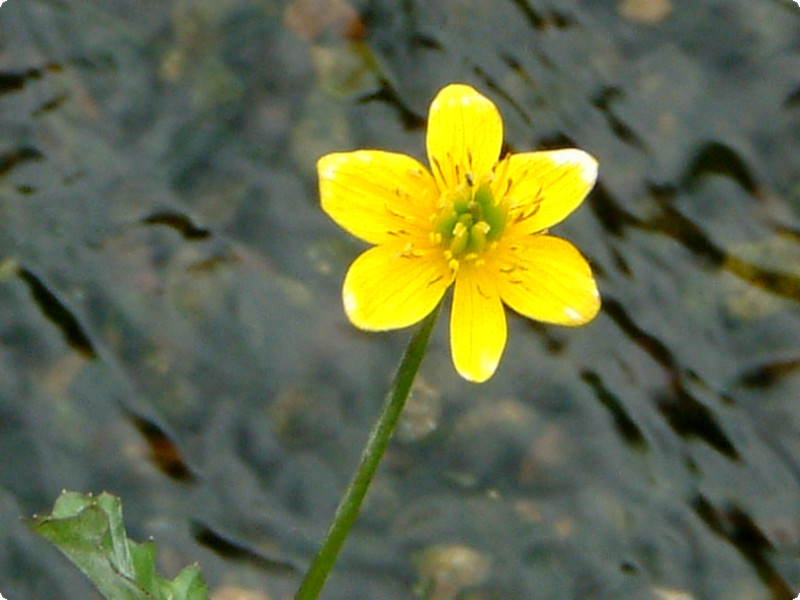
[350, 303]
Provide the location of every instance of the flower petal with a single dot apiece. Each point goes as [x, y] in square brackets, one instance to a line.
[377, 196]
[545, 187]
[465, 133]
[389, 288]
[547, 279]
[477, 325]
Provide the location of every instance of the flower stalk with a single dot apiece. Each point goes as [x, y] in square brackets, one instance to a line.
[378, 440]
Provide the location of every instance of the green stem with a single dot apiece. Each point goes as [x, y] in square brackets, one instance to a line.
[379, 437]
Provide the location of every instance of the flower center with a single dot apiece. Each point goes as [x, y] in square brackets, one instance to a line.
[470, 221]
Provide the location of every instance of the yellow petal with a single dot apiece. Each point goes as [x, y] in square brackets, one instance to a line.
[547, 279]
[465, 133]
[477, 325]
[544, 187]
[377, 196]
[388, 288]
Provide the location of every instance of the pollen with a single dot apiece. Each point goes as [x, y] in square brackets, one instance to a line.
[470, 222]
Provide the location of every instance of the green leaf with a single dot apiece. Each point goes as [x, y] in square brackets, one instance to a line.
[90, 531]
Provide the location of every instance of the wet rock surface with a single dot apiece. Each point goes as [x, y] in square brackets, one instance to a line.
[172, 328]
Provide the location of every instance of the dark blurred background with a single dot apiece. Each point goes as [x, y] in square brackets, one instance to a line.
[171, 327]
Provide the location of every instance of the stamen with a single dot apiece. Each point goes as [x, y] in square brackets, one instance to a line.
[438, 168]
[434, 280]
[471, 220]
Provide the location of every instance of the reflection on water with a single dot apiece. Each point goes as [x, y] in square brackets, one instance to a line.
[172, 327]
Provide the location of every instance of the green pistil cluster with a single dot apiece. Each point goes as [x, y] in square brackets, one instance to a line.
[472, 221]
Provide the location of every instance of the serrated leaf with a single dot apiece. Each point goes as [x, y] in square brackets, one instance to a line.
[90, 532]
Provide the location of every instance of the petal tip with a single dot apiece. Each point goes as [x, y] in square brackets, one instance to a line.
[575, 317]
[355, 310]
[479, 373]
[589, 168]
[350, 302]
[584, 162]
[327, 165]
[352, 308]
[461, 91]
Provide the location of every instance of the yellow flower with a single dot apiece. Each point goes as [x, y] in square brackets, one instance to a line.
[473, 220]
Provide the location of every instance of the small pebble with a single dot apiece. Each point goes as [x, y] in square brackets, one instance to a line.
[232, 592]
[444, 571]
[645, 12]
